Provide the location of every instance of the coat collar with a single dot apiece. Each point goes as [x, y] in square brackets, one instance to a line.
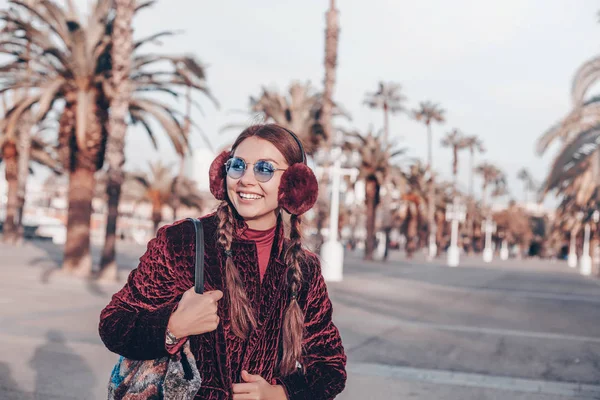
[240, 226]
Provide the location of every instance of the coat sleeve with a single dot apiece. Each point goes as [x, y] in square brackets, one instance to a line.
[135, 321]
[324, 359]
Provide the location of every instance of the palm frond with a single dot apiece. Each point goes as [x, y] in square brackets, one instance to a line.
[584, 78]
[568, 162]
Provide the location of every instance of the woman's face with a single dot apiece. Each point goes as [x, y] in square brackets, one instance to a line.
[256, 201]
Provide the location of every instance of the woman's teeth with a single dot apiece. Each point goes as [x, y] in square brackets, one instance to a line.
[250, 196]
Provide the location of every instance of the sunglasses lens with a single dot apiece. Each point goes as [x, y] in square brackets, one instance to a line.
[263, 171]
[236, 167]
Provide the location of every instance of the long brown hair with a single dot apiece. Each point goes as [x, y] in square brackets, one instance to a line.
[242, 318]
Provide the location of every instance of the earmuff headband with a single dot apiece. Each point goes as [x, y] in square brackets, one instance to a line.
[297, 139]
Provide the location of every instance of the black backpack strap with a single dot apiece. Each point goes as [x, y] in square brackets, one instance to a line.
[199, 271]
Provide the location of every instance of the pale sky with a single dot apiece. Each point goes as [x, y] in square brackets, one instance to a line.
[501, 69]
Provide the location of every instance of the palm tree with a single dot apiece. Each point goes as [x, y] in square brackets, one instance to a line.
[456, 141]
[390, 100]
[528, 182]
[375, 167]
[332, 32]
[300, 110]
[474, 144]
[427, 113]
[36, 147]
[71, 61]
[66, 58]
[414, 199]
[40, 151]
[579, 132]
[445, 194]
[161, 188]
[493, 178]
[122, 50]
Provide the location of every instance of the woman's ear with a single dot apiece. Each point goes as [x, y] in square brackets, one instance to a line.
[217, 176]
[298, 189]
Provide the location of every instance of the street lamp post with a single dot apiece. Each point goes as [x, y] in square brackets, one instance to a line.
[489, 227]
[455, 213]
[332, 251]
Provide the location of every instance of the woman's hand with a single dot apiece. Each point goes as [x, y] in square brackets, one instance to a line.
[256, 388]
[195, 314]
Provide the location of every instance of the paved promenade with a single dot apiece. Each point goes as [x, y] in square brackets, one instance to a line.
[413, 330]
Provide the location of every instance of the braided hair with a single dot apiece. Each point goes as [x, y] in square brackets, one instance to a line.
[242, 317]
[243, 320]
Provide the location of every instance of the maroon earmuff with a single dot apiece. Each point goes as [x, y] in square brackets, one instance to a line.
[217, 176]
[298, 189]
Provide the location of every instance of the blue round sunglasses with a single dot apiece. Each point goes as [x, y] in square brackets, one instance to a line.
[263, 170]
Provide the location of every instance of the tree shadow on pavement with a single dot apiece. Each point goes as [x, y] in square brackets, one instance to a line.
[50, 263]
[59, 371]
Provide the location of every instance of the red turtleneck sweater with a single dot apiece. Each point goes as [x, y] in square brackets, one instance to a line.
[264, 242]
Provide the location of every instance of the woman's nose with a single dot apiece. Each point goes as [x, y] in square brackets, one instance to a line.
[248, 178]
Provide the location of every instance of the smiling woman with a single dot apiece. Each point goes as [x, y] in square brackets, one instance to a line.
[271, 335]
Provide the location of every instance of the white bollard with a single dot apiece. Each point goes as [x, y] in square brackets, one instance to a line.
[488, 254]
[585, 266]
[332, 254]
[504, 251]
[572, 258]
[453, 256]
[380, 249]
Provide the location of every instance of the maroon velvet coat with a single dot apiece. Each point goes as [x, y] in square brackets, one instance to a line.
[135, 321]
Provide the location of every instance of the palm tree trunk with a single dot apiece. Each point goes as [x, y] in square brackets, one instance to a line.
[386, 126]
[371, 203]
[24, 144]
[77, 257]
[331, 45]
[440, 233]
[455, 169]
[108, 264]
[332, 31]
[412, 231]
[471, 172]
[115, 151]
[387, 200]
[431, 194]
[9, 152]
[484, 196]
[86, 155]
[429, 149]
[24, 154]
[156, 216]
[471, 209]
